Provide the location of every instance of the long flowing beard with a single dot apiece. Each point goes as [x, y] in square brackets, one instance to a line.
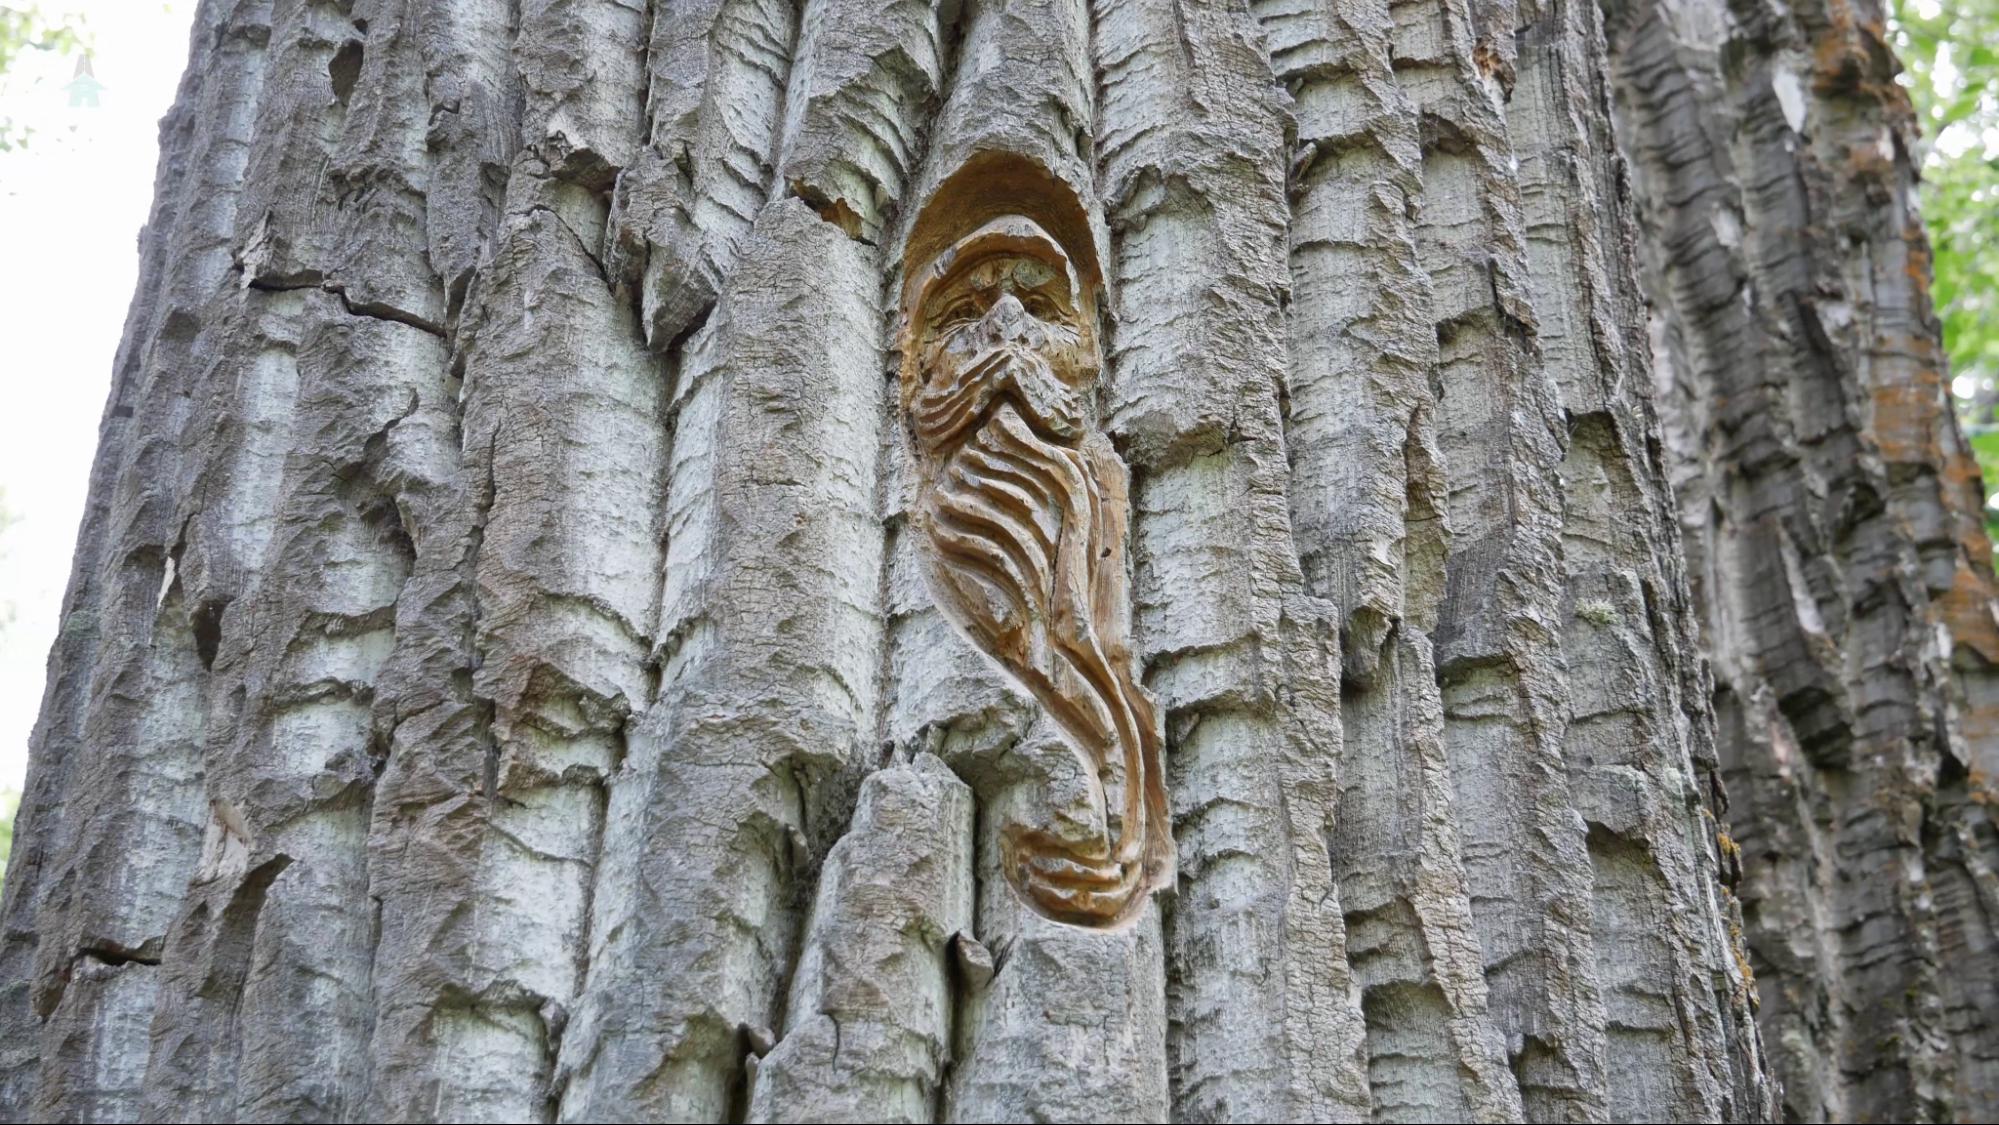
[1028, 535]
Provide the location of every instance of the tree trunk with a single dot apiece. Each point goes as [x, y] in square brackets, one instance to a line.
[1831, 516]
[1035, 559]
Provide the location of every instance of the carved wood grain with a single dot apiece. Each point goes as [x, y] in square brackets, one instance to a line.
[1023, 506]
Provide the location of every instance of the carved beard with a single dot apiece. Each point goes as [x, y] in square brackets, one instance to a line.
[1025, 507]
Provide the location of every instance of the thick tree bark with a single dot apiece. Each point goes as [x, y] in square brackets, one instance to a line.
[1831, 512]
[505, 675]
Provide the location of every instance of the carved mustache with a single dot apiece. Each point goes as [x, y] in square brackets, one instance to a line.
[948, 408]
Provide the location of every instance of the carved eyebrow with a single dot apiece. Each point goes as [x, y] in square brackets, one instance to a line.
[962, 265]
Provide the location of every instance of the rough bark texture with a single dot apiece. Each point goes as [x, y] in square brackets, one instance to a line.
[500, 681]
[1831, 516]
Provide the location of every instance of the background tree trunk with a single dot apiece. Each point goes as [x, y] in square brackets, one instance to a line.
[1832, 520]
[498, 681]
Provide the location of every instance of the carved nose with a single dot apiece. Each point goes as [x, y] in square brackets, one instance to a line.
[1007, 319]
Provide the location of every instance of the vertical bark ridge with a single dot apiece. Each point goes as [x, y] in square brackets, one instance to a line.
[72, 661]
[1368, 507]
[777, 396]
[583, 77]
[1638, 751]
[771, 569]
[1862, 135]
[472, 95]
[280, 233]
[942, 697]
[1431, 1042]
[869, 78]
[292, 761]
[185, 255]
[714, 98]
[562, 405]
[287, 741]
[1357, 304]
[442, 120]
[1499, 665]
[1021, 84]
[104, 920]
[304, 578]
[566, 571]
[866, 77]
[1199, 223]
[867, 1033]
[132, 762]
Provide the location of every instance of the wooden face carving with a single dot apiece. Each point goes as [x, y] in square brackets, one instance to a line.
[1023, 504]
[999, 319]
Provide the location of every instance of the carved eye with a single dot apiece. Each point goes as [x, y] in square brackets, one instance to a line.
[960, 311]
[1041, 308]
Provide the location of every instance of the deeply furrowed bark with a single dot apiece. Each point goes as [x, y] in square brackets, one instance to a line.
[500, 682]
[1832, 532]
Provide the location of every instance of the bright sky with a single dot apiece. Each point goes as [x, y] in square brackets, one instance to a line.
[71, 205]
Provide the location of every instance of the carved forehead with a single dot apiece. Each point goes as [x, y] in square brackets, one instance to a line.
[1009, 236]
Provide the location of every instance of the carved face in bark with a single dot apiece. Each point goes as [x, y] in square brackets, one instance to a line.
[999, 317]
[1024, 504]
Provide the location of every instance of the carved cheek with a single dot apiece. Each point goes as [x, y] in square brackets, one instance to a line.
[939, 357]
[929, 357]
[1074, 363]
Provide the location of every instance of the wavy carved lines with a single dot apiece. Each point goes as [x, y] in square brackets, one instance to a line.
[998, 358]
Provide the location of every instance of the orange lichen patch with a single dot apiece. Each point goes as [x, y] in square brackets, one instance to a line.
[1961, 471]
[1980, 728]
[1852, 59]
[1738, 947]
[1729, 847]
[1742, 968]
[1905, 419]
[1493, 65]
[1967, 608]
[1870, 163]
[1963, 482]
[1731, 858]
[1838, 65]
[1964, 494]
[1921, 265]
